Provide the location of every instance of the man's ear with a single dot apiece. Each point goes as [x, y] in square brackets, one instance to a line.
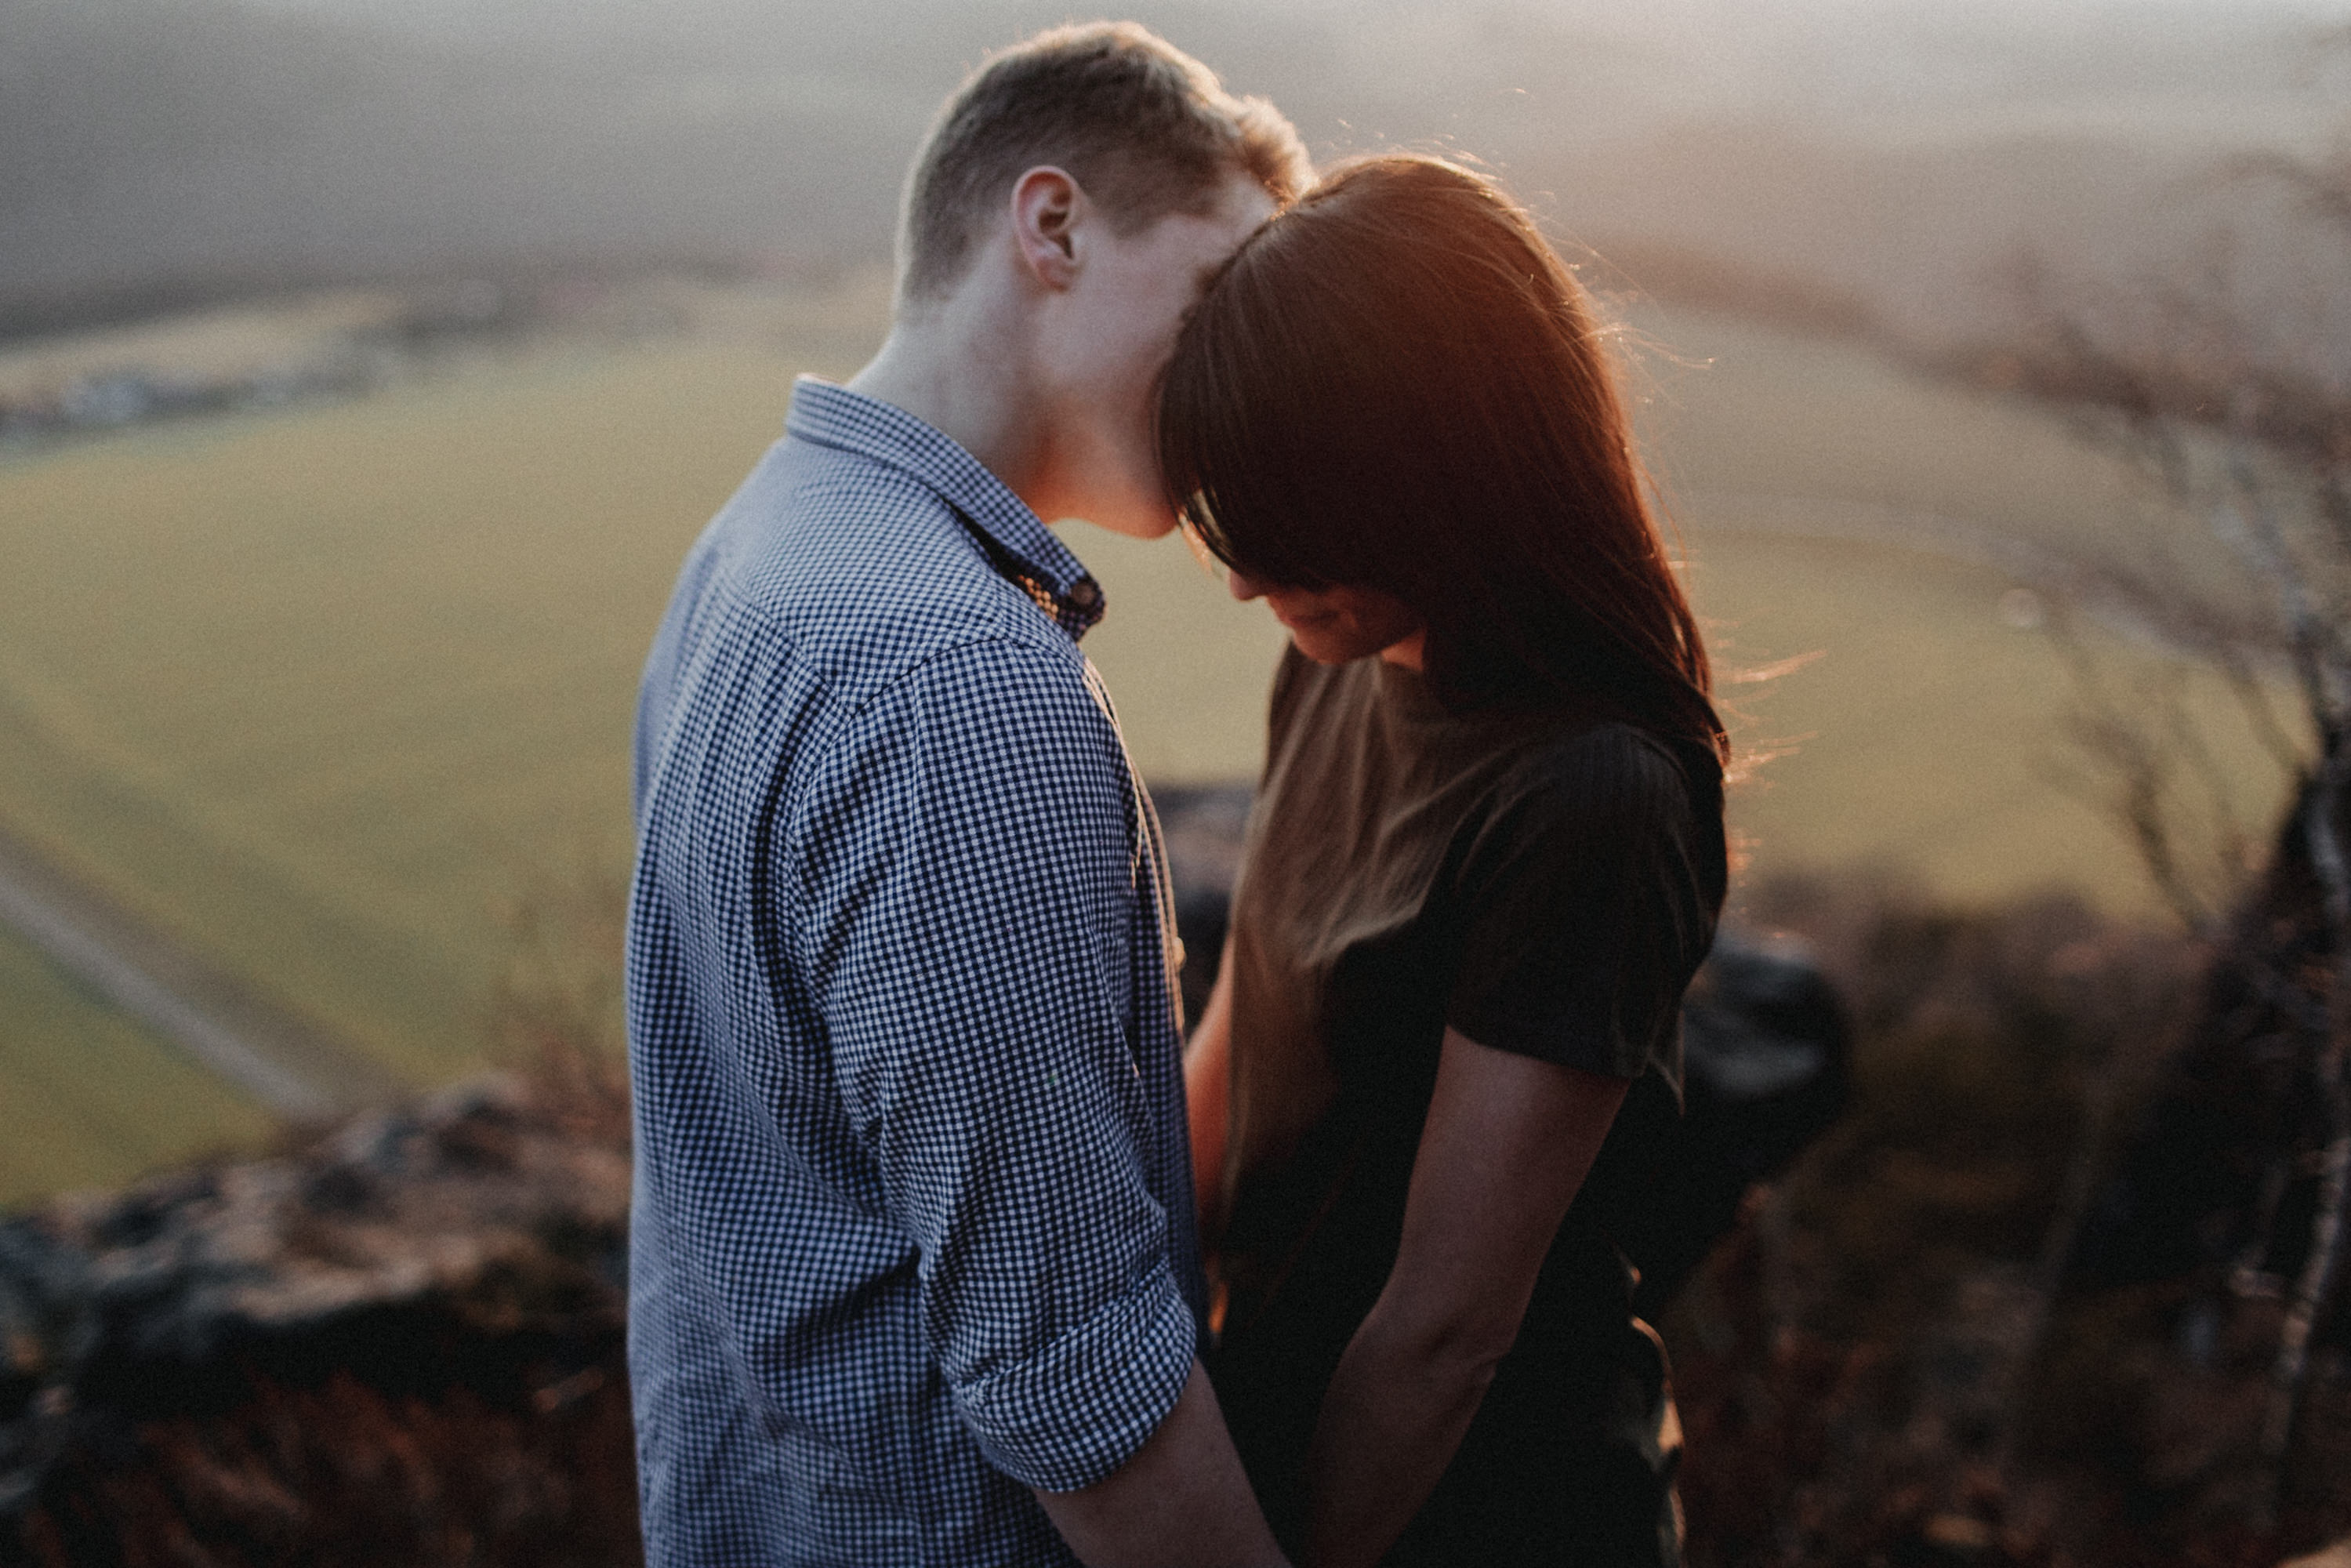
[1048, 208]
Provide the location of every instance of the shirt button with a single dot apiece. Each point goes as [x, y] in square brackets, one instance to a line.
[1084, 594]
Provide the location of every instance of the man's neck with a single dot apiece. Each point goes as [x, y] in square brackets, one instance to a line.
[957, 370]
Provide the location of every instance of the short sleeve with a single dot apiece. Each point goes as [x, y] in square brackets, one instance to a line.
[1586, 898]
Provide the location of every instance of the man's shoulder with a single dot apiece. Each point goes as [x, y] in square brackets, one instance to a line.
[858, 573]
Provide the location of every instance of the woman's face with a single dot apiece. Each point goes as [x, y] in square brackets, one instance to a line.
[1335, 625]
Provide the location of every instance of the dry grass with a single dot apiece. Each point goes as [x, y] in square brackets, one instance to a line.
[346, 1473]
[1891, 1362]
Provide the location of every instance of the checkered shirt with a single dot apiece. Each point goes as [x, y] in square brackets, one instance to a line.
[912, 1226]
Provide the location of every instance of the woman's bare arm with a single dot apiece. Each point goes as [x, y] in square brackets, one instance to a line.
[1208, 1079]
[1507, 1145]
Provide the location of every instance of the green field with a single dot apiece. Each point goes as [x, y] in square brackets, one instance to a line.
[325, 692]
[88, 1098]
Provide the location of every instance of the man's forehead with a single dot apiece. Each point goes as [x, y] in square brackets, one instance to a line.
[1245, 204]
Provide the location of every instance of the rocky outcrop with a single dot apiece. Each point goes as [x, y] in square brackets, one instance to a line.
[398, 1343]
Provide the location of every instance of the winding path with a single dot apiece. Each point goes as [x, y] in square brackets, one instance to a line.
[284, 1062]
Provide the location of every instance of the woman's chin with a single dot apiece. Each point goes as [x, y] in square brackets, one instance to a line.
[1325, 649]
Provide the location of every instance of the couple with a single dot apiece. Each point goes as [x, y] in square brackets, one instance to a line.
[918, 1234]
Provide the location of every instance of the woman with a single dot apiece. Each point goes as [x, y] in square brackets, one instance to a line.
[1487, 855]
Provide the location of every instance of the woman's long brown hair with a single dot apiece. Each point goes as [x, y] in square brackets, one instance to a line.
[1397, 384]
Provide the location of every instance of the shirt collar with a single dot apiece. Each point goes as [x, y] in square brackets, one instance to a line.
[1020, 545]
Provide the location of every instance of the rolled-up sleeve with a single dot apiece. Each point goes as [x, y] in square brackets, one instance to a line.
[959, 886]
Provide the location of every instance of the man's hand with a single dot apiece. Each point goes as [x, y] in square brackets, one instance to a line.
[1183, 1502]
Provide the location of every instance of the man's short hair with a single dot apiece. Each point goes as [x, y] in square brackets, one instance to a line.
[1143, 128]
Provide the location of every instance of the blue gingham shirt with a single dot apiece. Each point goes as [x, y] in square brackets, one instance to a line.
[912, 1226]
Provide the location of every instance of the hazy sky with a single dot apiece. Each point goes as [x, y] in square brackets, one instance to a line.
[1752, 50]
[1880, 144]
[1742, 13]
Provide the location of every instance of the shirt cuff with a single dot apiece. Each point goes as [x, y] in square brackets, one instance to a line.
[1070, 1415]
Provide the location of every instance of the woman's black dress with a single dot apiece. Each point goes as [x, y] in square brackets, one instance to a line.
[1545, 883]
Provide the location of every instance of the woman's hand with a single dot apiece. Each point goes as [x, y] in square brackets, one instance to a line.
[1208, 1084]
[1507, 1145]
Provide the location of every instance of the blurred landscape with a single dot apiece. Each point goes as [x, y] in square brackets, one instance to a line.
[331, 690]
[367, 366]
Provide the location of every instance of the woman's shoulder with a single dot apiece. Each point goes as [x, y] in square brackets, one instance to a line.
[1605, 791]
[1605, 765]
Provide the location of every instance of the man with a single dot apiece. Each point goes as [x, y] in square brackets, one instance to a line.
[913, 1272]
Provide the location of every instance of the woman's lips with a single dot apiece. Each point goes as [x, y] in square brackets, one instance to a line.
[1304, 620]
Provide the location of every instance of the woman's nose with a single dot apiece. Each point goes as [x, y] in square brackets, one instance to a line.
[1245, 587]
